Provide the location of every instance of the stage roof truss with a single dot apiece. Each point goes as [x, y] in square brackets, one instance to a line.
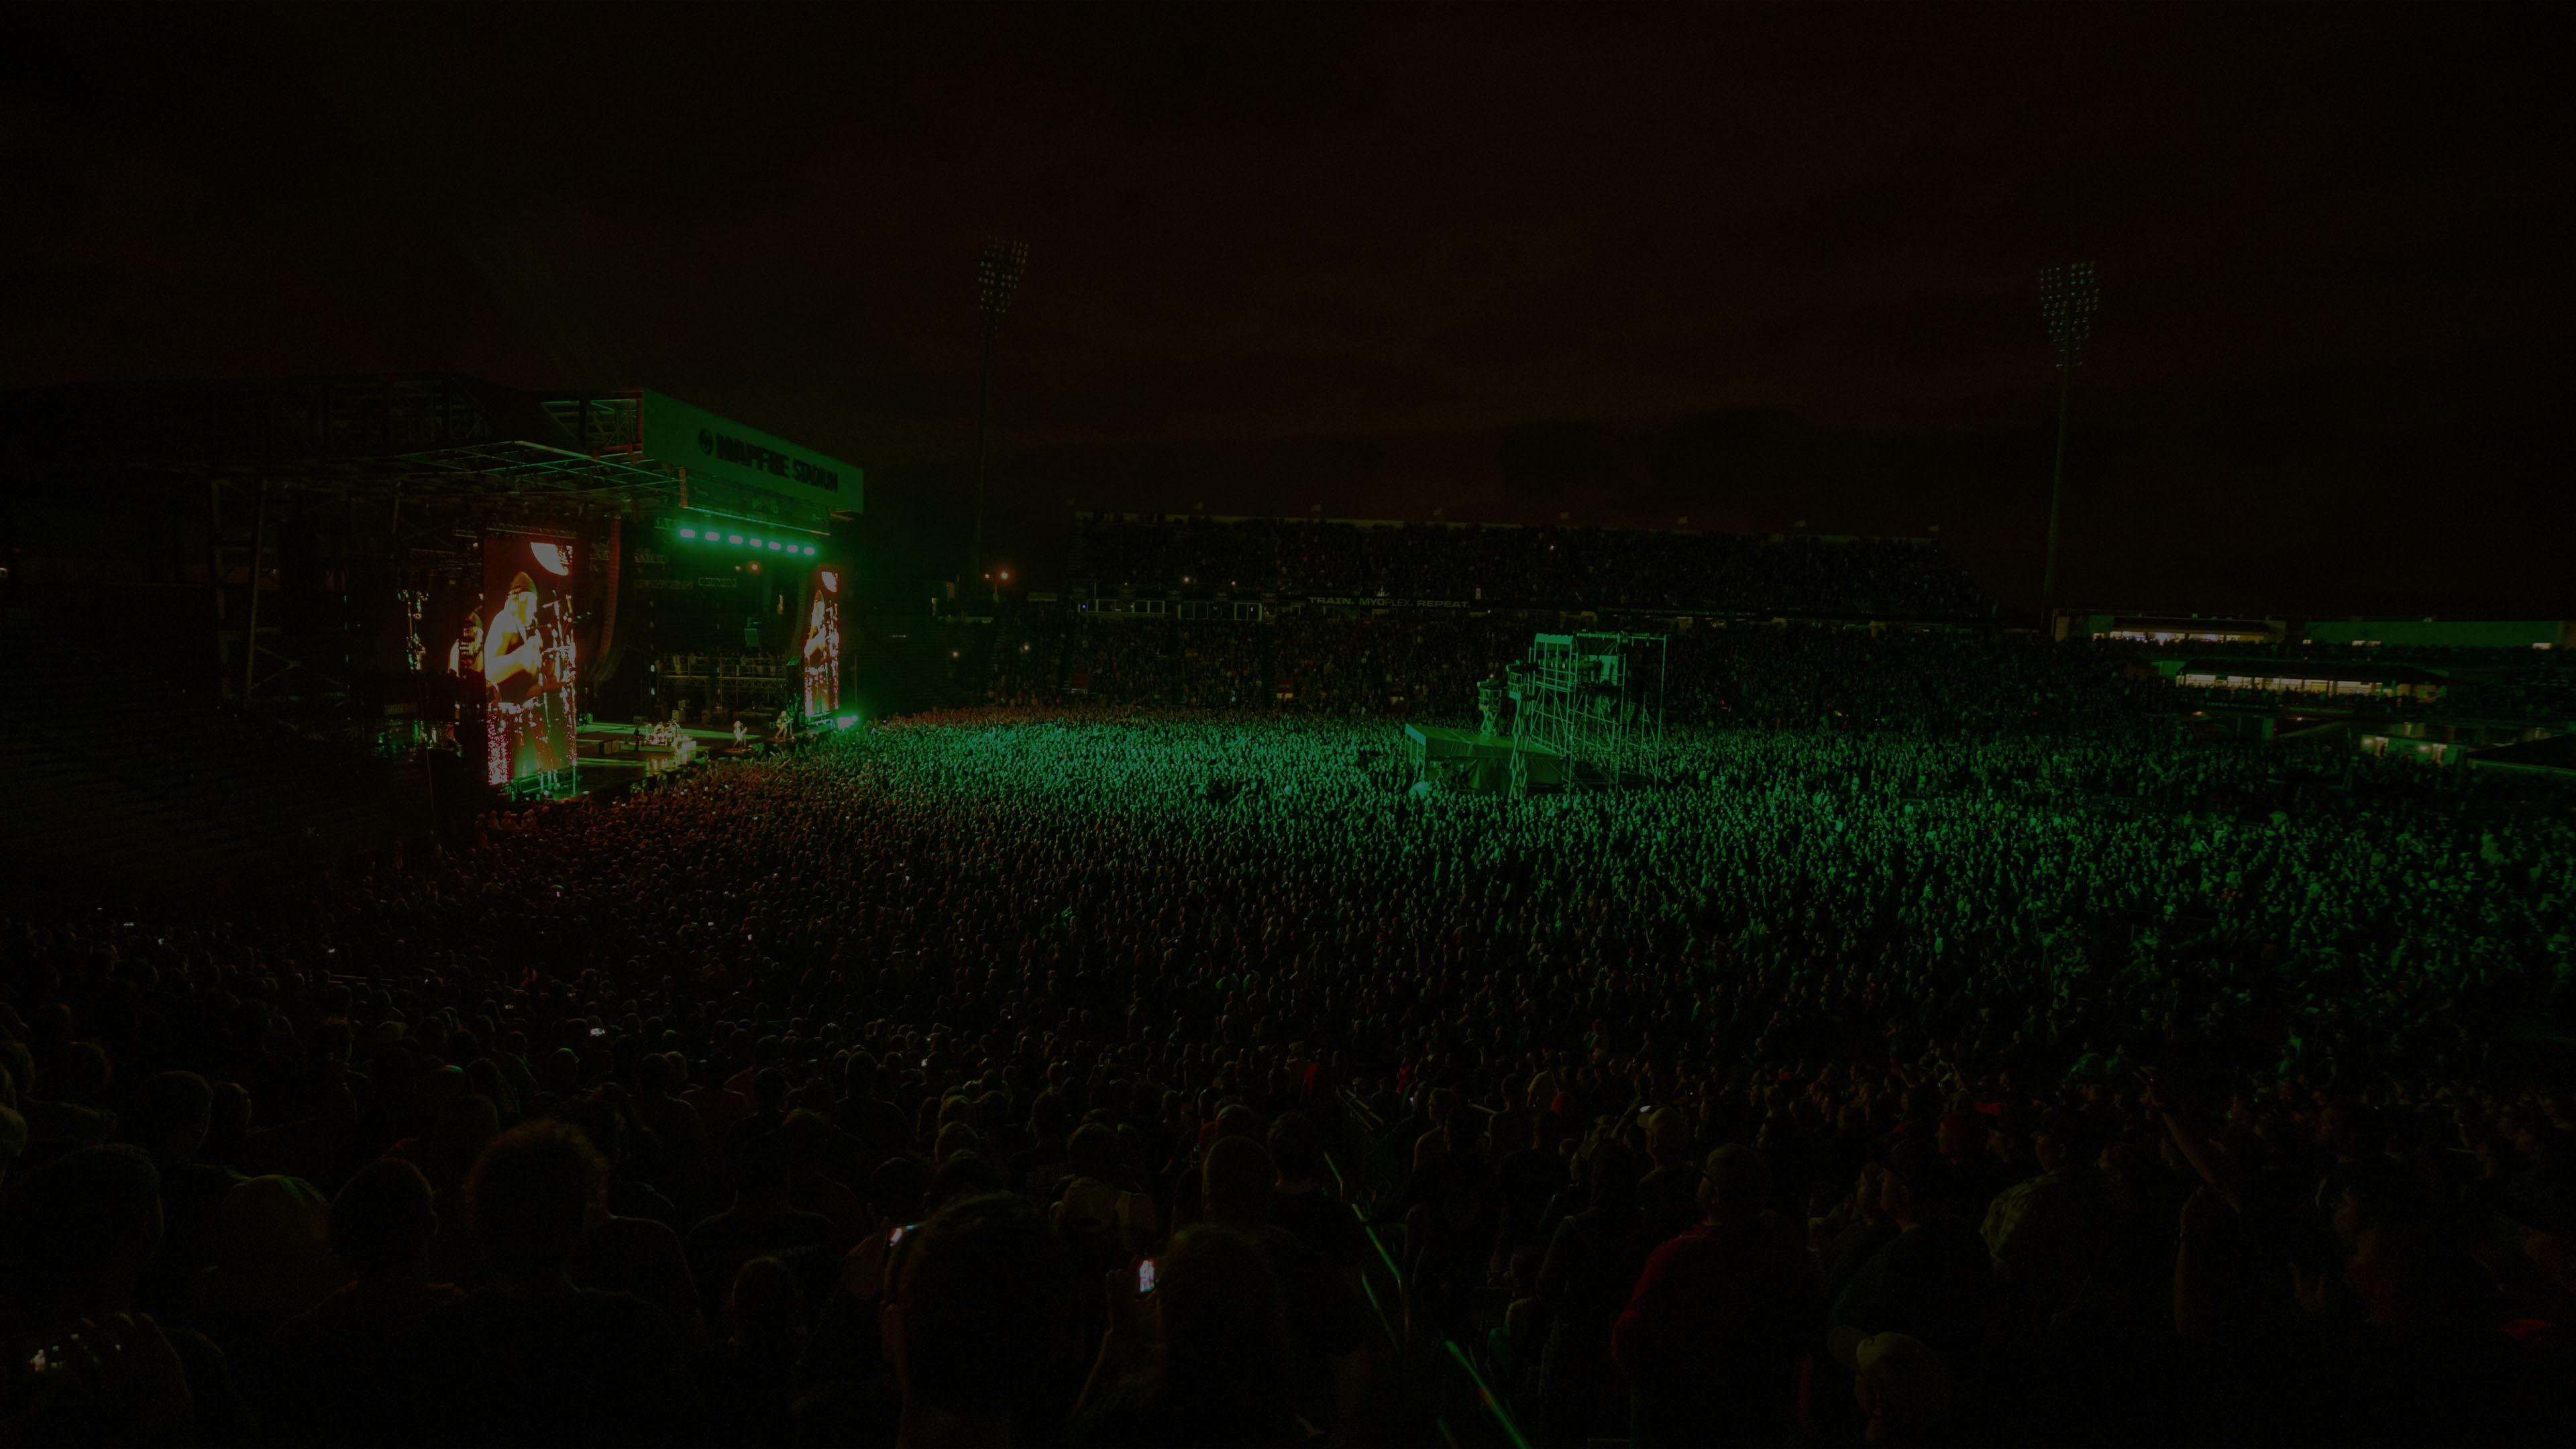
[420, 438]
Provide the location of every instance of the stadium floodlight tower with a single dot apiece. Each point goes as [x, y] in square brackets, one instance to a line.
[2067, 297]
[997, 276]
[1588, 708]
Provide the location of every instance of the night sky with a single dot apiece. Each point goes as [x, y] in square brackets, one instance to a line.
[1757, 267]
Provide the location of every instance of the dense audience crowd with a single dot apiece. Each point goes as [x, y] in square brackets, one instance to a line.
[2318, 651]
[1427, 662]
[2538, 695]
[2510, 700]
[1427, 665]
[1936, 1050]
[1583, 568]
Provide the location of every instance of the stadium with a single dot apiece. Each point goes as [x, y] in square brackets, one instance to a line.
[560, 913]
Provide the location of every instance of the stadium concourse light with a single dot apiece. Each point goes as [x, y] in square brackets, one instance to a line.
[2067, 297]
[997, 276]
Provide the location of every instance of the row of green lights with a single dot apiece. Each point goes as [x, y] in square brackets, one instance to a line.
[773, 545]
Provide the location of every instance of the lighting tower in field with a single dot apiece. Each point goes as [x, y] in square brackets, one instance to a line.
[997, 276]
[2067, 297]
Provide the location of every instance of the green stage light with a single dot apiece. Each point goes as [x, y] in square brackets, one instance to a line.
[733, 538]
[755, 543]
[688, 533]
[775, 545]
[809, 550]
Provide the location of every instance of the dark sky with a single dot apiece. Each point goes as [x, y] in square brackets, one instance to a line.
[1754, 266]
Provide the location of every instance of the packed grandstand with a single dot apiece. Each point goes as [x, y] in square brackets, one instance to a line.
[1553, 567]
[1949, 1039]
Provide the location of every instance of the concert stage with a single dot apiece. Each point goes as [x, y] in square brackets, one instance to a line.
[1456, 759]
[615, 757]
[488, 550]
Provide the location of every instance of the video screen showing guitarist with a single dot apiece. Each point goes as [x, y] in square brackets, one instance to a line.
[528, 673]
[822, 647]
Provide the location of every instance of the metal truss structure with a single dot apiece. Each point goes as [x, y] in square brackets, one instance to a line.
[408, 464]
[420, 438]
[1593, 700]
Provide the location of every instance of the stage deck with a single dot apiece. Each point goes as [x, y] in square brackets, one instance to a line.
[614, 757]
[1468, 760]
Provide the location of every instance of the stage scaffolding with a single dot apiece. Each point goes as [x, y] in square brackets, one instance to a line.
[392, 470]
[385, 478]
[1589, 704]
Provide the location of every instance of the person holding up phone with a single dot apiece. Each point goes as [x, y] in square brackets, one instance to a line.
[1196, 1351]
[981, 1304]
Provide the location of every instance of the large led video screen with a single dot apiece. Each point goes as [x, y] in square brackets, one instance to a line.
[455, 618]
[527, 652]
[822, 644]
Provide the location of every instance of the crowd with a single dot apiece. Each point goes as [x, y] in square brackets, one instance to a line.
[1581, 568]
[2319, 651]
[2013, 1072]
[1427, 664]
[2513, 700]
[2535, 695]
[2492, 684]
[1027, 659]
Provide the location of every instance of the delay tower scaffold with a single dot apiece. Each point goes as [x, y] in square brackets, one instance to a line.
[1592, 701]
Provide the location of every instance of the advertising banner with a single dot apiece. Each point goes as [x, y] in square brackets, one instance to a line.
[745, 472]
